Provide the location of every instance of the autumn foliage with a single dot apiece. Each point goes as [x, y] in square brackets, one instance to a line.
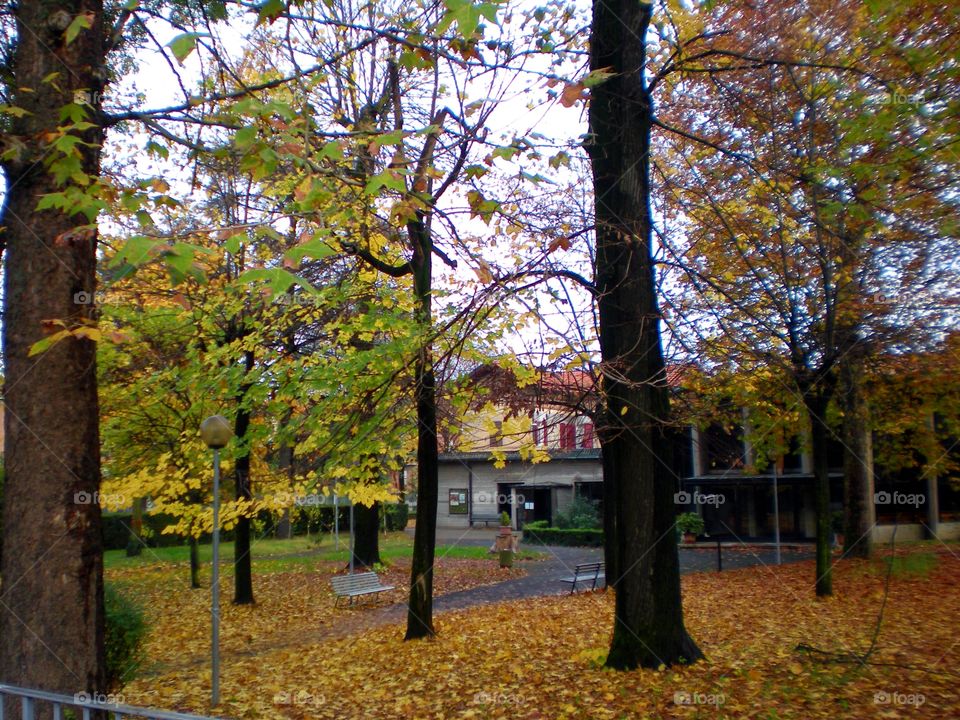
[543, 658]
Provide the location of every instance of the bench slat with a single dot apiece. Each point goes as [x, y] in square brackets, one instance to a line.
[592, 572]
[357, 584]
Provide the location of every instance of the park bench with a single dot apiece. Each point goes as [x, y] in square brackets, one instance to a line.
[485, 519]
[591, 572]
[356, 585]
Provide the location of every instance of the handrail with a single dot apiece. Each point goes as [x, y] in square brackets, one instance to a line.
[29, 697]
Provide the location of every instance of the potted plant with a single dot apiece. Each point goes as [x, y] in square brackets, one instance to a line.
[691, 525]
[505, 523]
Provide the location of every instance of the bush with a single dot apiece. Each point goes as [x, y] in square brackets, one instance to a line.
[116, 531]
[536, 525]
[397, 515]
[126, 630]
[690, 523]
[578, 537]
[580, 513]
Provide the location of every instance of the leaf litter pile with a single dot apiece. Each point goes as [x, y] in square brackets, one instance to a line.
[773, 651]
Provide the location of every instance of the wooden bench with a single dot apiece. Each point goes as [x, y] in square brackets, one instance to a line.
[357, 585]
[591, 572]
[485, 519]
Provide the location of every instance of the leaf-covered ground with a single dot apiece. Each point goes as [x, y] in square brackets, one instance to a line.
[291, 608]
[541, 658]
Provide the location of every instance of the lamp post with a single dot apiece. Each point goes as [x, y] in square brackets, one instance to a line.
[215, 433]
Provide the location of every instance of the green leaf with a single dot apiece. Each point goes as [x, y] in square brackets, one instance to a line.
[48, 342]
[137, 251]
[184, 44]
[316, 248]
[74, 112]
[277, 279]
[466, 15]
[83, 21]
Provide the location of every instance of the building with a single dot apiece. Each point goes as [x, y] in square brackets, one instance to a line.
[533, 450]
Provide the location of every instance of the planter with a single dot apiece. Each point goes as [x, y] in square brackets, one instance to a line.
[689, 538]
[505, 530]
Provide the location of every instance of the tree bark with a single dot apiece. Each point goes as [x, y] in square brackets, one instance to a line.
[420, 606]
[639, 505]
[242, 562]
[194, 563]
[857, 463]
[366, 535]
[816, 402]
[51, 615]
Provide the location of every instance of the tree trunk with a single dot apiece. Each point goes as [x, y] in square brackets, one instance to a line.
[194, 563]
[639, 505]
[857, 463]
[420, 606]
[242, 562]
[816, 402]
[366, 535]
[51, 617]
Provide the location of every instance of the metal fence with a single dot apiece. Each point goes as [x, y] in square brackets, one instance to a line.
[82, 706]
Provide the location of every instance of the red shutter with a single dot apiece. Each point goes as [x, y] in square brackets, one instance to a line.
[587, 435]
[568, 436]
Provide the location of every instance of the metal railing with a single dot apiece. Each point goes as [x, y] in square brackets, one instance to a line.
[83, 705]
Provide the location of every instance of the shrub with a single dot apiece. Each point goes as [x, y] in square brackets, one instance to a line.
[577, 537]
[580, 513]
[690, 523]
[397, 515]
[126, 630]
[536, 525]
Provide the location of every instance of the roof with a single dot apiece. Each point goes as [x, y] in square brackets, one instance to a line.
[485, 456]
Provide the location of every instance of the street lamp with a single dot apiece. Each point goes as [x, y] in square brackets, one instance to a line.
[215, 433]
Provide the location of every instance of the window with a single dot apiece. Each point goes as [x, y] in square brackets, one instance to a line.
[536, 432]
[496, 437]
[458, 501]
[568, 436]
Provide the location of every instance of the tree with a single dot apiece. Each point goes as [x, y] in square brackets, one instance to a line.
[797, 194]
[641, 552]
[51, 618]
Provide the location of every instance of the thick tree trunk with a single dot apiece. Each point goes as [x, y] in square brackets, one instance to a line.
[639, 505]
[420, 606]
[816, 402]
[51, 615]
[857, 464]
[242, 562]
[366, 535]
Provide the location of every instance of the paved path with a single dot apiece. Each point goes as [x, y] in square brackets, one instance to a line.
[542, 575]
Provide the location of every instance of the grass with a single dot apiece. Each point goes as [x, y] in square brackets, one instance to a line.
[272, 555]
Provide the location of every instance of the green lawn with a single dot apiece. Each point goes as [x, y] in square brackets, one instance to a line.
[273, 555]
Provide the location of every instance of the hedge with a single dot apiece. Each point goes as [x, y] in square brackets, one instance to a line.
[580, 537]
